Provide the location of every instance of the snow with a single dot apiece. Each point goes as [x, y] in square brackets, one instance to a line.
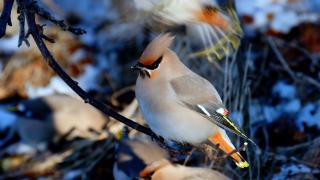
[284, 90]
[78, 55]
[310, 114]
[7, 119]
[23, 148]
[262, 113]
[9, 44]
[292, 106]
[73, 174]
[289, 106]
[56, 85]
[88, 79]
[284, 21]
[289, 103]
[88, 38]
[292, 169]
[270, 113]
[280, 15]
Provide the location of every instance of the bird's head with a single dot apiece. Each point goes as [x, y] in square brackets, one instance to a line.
[154, 56]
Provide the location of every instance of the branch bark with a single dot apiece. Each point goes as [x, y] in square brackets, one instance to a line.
[5, 18]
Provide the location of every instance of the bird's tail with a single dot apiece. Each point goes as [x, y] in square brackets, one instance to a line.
[221, 139]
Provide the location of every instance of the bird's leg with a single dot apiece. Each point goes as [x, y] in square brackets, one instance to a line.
[188, 156]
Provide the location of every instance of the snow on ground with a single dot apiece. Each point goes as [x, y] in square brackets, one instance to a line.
[7, 119]
[56, 85]
[73, 174]
[262, 113]
[23, 148]
[279, 15]
[87, 81]
[292, 170]
[284, 90]
[9, 44]
[310, 114]
[289, 106]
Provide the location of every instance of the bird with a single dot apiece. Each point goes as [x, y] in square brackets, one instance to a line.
[180, 105]
[42, 119]
[133, 155]
[164, 169]
[213, 24]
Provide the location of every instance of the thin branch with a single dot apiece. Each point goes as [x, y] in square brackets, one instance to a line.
[295, 76]
[298, 146]
[281, 59]
[38, 38]
[5, 18]
[22, 19]
[46, 15]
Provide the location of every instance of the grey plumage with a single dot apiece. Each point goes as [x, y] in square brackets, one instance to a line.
[199, 95]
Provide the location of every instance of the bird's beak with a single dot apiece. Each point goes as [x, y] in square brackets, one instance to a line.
[142, 70]
[136, 67]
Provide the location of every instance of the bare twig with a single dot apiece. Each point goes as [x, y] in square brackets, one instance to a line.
[188, 156]
[295, 45]
[279, 157]
[5, 18]
[281, 59]
[295, 76]
[298, 146]
[22, 18]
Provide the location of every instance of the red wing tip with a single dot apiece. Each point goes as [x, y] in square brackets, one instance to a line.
[225, 112]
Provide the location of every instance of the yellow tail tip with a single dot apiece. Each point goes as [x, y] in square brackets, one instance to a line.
[242, 164]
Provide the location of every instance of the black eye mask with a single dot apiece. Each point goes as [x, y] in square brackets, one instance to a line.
[152, 66]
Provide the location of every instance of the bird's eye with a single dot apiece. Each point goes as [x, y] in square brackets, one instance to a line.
[157, 62]
[155, 65]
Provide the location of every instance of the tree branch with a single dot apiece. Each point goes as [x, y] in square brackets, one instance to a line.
[5, 18]
[27, 8]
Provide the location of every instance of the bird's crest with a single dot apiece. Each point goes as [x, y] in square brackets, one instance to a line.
[156, 49]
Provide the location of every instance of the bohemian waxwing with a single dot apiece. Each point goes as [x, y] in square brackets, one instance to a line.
[42, 119]
[213, 23]
[133, 155]
[180, 105]
[163, 170]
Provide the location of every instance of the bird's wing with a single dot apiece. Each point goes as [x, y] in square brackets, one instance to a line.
[199, 95]
[218, 40]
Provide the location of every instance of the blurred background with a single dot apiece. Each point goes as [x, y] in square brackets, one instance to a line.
[271, 85]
